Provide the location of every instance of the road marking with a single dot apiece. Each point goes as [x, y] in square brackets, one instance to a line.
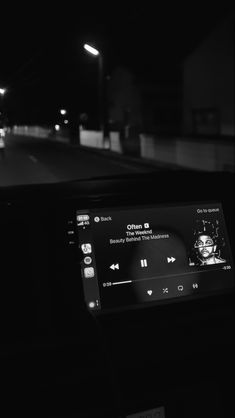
[34, 159]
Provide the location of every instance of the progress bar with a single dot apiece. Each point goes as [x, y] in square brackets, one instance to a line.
[176, 275]
[164, 276]
[127, 281]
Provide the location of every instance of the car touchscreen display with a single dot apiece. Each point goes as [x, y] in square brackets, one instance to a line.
[140, 255]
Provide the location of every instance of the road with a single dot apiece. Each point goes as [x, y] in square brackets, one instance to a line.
[35, 160]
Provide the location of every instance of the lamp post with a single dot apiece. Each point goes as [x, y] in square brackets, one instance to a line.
[2, 94]
[93, 51]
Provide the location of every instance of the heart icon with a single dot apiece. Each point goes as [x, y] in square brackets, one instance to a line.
[149, 292]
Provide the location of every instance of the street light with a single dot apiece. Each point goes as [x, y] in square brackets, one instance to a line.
[2, 91]
[2, 94]
[93, 51]
[63, 111]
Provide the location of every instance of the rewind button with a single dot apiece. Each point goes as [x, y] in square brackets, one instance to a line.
[114, 266]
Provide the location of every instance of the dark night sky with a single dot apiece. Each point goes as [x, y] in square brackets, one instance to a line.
[44, 65]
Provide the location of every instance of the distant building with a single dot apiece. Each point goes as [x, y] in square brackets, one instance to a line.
[208, 84]
[161, 107]
[124, 100]
[151, 107]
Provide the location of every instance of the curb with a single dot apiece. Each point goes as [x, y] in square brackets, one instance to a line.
[134, 160]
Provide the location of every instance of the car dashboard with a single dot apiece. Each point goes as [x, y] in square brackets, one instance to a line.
[109, 305]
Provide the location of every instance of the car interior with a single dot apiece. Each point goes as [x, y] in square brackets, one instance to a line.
[109, 305]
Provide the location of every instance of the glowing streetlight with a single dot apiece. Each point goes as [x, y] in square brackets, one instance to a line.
[2, 91]
[66, 121]
[91, 50]
[63, 111]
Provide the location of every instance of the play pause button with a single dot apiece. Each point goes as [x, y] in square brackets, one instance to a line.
[143, 263]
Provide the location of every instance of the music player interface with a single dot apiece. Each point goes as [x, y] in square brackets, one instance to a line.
[148, 254]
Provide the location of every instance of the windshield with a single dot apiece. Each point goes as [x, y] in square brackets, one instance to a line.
[96, 92]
